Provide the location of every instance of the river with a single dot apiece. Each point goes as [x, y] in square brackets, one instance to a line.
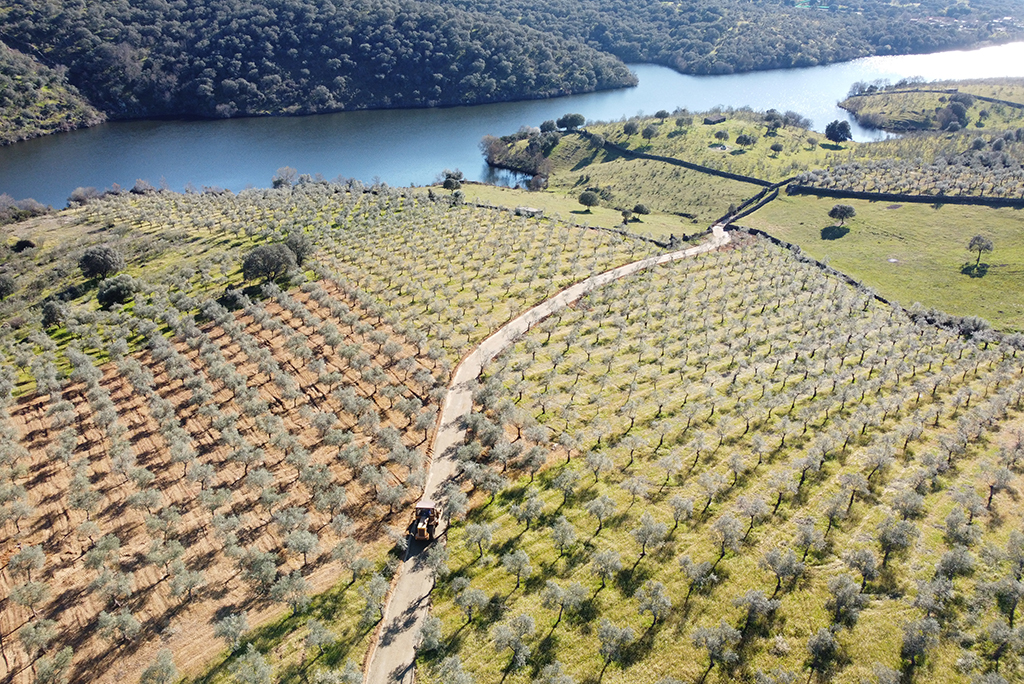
[411, 146]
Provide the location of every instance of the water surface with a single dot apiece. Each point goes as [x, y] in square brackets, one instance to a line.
[411, 146]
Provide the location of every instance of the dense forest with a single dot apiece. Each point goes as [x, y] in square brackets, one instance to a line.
[36, 100]
[741, 35]
[143, 58]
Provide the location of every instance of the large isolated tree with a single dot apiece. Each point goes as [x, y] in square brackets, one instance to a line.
[570, 121]
[979, 244]
[838, 131]
[589, 198]
[842, 212]
[268, 262]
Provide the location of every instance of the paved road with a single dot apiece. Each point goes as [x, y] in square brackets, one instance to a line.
[392, 659]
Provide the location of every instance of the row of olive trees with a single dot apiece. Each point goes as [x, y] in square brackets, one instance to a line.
[732, 527]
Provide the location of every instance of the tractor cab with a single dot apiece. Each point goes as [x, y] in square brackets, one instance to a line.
[424, 520]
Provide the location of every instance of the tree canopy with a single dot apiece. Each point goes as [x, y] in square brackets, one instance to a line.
[979, 244]
[838, 131]
[100, 261]
[842, 212]
[268, 262]
[589, 198]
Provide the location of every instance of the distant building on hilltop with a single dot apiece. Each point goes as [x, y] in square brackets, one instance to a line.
[713, 119]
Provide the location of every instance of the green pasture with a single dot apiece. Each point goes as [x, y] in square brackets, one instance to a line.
[696, 142]
[913, 252]
[915, 110]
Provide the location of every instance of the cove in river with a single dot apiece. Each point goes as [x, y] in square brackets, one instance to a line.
[411, 146]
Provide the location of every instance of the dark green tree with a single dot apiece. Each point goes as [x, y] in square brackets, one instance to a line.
[268, 262]
[979, 244]
[117, 290]
[838, 131]
[300, 244]
[745, 140]
[570, 122]
[100, 261]
[842, 212]
[7, 286]
[589, 198]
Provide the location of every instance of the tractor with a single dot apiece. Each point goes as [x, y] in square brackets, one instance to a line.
[424, 521]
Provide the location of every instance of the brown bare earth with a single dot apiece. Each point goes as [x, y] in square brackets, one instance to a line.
[184, 625]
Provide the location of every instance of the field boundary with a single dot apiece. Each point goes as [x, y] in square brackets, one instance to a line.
[999, 202]
[679, 162]
[941, 91]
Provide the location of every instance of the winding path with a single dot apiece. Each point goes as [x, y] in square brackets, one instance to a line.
[392, 658]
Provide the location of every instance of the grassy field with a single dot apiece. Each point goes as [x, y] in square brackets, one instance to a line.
[778, 410]
[895, 110]
[695, 141]
[559, 205]
[913, 252]
[681, 201]
[1009, 89]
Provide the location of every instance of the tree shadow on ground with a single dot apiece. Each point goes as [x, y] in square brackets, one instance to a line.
[834, 232]
[628, 581]
[974, 270]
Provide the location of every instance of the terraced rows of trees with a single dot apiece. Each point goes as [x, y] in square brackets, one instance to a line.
[986, 165]
[229, 481]
[738, 467]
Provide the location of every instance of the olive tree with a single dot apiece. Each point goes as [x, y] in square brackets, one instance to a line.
[718, 642]
[653, 598]
[162, 670]
[614, 642]
[252, 667]
[510, 635]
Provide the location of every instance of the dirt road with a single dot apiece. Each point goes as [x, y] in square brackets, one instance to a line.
[393, 658]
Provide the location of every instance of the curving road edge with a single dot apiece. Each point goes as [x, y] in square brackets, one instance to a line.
[392, 656]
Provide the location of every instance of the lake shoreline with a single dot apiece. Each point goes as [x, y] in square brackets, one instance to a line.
[405, 146]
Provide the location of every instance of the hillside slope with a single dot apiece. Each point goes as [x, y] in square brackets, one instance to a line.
[228, 58]
[36, 100]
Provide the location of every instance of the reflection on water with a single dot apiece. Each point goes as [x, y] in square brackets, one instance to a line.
[403, 147]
